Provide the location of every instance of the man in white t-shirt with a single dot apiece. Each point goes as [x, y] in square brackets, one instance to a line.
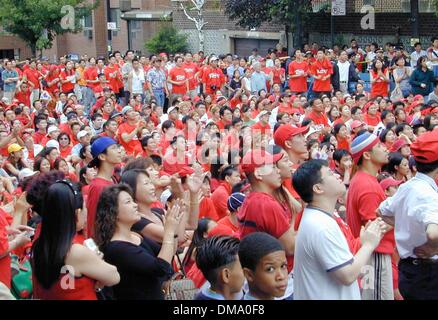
[324, 267]
[416, 54]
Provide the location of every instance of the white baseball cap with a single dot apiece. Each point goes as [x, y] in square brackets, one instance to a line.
[52, 143]
[81, 134]
[52, 129]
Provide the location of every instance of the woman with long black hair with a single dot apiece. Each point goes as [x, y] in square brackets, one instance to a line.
[142, 263]
[63, 268]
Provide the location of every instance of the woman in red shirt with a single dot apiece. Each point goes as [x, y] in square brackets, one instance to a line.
[63, 268]
[64, 145]
[53, 79]
[379, 80]
[341, 133]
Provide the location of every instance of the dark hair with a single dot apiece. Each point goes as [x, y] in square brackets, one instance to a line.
[400, 127]
[227, 172]
[426, 167]
[158, 160]
[338, 128]
[374, 65]
[58, 228]
[355, 109]
[82, 172]
[239, 186]
[130, 178]
[138, 163]
[57, 163]
[37, 163]
[214, 254]
[384, 114]
[339, 154]
[167, 125]
[306, 176]
[198, 238]
[223, 109]
[383, 135]
[145, 140]
[420, 61]
[106, 213]
[428, 123]
[216, 166]
[255, 246]
[395, 159]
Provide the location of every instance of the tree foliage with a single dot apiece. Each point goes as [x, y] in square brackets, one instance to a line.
[167, 40]
[37, 22]
[252, 13]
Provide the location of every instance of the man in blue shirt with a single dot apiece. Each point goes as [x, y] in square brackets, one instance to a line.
[258, 79]
[10, 80]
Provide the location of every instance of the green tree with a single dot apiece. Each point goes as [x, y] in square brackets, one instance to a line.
[167, 40]
[294, 14]
[37, 22]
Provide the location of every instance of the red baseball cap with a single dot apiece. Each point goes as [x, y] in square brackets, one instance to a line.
[356, 124]
[425, 148]
[258, 158]
[285, 132]
[398, 144]
[389, 182]
[186, 171]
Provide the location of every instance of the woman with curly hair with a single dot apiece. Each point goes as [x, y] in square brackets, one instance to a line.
[142, 264]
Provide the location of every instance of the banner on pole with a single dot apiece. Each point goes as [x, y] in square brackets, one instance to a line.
[338, 8]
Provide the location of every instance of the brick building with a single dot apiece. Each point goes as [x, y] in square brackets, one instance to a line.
[136, 21]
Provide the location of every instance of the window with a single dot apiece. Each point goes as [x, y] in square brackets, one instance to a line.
[426, 6]
[384, 6]
[87, 22]
[135, 29]
[115, 16]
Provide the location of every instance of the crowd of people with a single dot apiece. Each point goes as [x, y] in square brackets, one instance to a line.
[304, 176]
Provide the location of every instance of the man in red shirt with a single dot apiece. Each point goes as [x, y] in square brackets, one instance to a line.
[91, 77]
[191, 70]
[322, 69]
[229, 178]
[179, 80]
[213, 79]
[106, 156]
[23, 94]
[40, 136]
[226, 115]
[32, 76]
[298, 71]
[262, 127]
[318, 116]
[292, 140]
[113, 75]
[363, 199]
[128, 132]
[261, 211]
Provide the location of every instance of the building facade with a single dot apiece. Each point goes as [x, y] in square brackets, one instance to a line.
[133, 22]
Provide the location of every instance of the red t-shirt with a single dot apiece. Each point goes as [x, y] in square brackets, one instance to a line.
[207, 209]
[318, 119]
[40, 138]
[378, 88]
[261, 128]
[171, 165]
[213, 77]
[132, 147]
[90, 73]
[191, 69]
[261, 212]
[69, 86]
[178, 74]
[82, 290]
[364, 197]
[298, 84]
[32, 76]
[23, 97]
[277, 74]
[113, 82]
[372, 121]
[96, 188]
[5, 262]
[220, 199]
[321, 68]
